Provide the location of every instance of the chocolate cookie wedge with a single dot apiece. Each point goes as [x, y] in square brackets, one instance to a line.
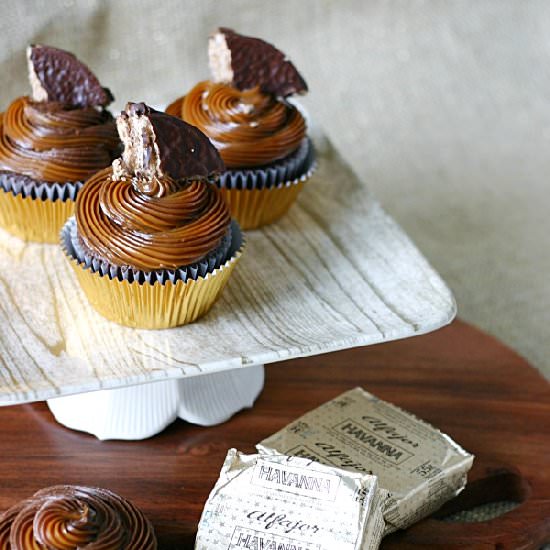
[247, 62]
[57, 75]
[158, 145]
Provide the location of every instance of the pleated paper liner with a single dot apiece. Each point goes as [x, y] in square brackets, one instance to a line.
[284, 170]
[254, 208]
[35, 211]
[170, 300]
[262, 195]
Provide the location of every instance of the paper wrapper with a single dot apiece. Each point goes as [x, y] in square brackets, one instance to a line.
[35, 211]
[128, 301]
[274, 502]
[261, 196]
[419, 466]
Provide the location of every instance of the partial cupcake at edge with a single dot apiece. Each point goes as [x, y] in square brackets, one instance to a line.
[51, 142]
[152, 241]
[261, 136]
[64, 517]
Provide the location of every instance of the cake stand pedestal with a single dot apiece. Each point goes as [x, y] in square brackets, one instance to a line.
[139, 412]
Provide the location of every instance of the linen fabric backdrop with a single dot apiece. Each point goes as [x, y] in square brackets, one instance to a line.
[442, 108]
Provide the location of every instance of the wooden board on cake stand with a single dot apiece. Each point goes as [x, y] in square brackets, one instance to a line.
[459, 379]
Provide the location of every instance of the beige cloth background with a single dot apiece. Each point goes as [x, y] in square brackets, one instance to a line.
[441, 107]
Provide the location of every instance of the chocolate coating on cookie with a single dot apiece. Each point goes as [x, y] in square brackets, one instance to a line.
[157, 146]
[247, 62]
[57, 75]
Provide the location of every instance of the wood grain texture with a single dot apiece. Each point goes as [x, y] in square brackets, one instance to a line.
[470, 386]
[335, 272]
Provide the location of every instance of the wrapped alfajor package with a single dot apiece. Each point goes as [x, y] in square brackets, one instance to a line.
[419, 467]
[274, 502]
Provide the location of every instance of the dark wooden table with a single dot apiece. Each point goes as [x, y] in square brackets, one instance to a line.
[461, 380]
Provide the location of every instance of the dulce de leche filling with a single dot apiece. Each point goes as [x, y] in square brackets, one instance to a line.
[53, 142]
[173, 224]
[67, 517]
[249, 128]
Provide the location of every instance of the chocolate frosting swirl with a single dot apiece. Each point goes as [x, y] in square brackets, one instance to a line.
[68, 517]
[6, 520]
[173, 225]
[53, 142]
[249, 128]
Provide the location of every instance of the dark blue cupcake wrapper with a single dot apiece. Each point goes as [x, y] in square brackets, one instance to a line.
[294, 167]
[27, 187]
[227, 248]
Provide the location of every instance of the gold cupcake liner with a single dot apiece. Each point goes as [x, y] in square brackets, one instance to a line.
[154, 306]
[34, 220]
[253, 208]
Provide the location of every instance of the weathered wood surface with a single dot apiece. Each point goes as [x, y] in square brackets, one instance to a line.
[336, 272]
[462, 381]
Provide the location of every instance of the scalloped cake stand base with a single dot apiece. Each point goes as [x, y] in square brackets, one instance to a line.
[139, 412]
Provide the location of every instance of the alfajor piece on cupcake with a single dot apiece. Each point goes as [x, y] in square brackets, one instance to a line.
[51, 142]
[152, 241]
[261, 136]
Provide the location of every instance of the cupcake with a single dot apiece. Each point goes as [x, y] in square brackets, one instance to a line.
[261, 137]
[67, 516]
[51, 142]
[152, 241]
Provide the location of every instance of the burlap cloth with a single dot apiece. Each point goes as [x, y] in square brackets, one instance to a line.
[442, 108]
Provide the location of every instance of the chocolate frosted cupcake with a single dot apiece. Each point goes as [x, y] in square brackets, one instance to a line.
[66, 516]
[261, 137]
[51, 142]
[152, 241]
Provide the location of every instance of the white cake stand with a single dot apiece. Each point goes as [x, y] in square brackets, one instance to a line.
[334, 273]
